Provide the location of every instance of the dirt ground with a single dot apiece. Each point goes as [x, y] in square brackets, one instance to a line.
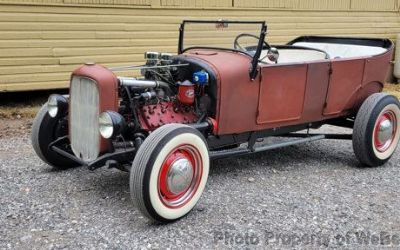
[12, 127]
[17, 110]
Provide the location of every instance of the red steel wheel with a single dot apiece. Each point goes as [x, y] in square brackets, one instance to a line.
[170, 172]
[180, 176]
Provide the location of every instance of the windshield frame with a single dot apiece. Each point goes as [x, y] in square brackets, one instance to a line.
[255, 57]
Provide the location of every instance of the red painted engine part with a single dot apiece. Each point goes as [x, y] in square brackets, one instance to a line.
[154, 116]
[186, 93]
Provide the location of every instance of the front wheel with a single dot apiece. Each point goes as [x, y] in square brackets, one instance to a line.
[45, 130]
[169, 172]
[377, 130]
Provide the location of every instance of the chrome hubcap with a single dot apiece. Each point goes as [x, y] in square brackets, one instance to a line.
[180, 176]
[385, 131]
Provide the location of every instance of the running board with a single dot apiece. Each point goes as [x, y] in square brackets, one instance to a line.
[245, 151]
[327, 136]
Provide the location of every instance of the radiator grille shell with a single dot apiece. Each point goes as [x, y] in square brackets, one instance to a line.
[84, 118]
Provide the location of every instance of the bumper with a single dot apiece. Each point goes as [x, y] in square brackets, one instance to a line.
[114, 159]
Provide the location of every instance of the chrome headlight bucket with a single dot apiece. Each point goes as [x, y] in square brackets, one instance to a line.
[111, 124]
[57, 105]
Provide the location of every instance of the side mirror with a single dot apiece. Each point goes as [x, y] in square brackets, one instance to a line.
[273, 54]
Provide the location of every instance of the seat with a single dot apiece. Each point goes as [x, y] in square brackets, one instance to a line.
[295, 55]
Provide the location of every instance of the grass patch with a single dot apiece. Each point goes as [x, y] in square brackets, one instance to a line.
[393, 89]
[18, 112]
[23, 104]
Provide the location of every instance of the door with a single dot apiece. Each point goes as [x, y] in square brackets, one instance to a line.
[346, 80]
[293, 94]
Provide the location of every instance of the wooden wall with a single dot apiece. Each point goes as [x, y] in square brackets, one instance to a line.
[42, 41]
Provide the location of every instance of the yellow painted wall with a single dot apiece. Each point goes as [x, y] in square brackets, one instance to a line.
[42, 41]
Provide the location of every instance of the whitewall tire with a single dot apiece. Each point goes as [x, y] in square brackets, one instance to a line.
[169, 172]
[377, 129]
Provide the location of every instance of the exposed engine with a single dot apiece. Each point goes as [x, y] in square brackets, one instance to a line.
[171, 90]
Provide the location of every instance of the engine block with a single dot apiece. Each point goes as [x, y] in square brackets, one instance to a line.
[154, 116]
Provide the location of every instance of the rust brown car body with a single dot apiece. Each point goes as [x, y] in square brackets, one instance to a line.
[312, 91]
[209, 103]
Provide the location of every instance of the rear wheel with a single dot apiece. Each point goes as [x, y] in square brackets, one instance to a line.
[376, 130]
[45, 130]
[169, 172]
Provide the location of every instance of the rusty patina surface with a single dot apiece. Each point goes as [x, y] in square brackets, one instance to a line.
[107, 84]
[288, 94]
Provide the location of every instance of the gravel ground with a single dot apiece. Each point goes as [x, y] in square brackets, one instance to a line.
[314, 195]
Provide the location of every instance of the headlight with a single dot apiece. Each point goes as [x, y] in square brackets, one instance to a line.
[57, 105]
[111, 124]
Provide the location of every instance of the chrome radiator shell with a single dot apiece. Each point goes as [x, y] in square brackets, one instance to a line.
[84, 118]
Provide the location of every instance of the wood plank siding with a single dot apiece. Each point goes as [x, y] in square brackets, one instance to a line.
[42, 41]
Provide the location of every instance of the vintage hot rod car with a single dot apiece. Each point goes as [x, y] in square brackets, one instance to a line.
[217, 98]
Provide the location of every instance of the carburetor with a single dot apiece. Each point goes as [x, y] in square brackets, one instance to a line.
[154, 60]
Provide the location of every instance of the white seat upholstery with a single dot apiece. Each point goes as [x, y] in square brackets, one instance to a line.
[336, 50]
[295, 55]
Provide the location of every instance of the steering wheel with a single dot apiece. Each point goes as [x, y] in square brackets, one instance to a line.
[237, 46]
